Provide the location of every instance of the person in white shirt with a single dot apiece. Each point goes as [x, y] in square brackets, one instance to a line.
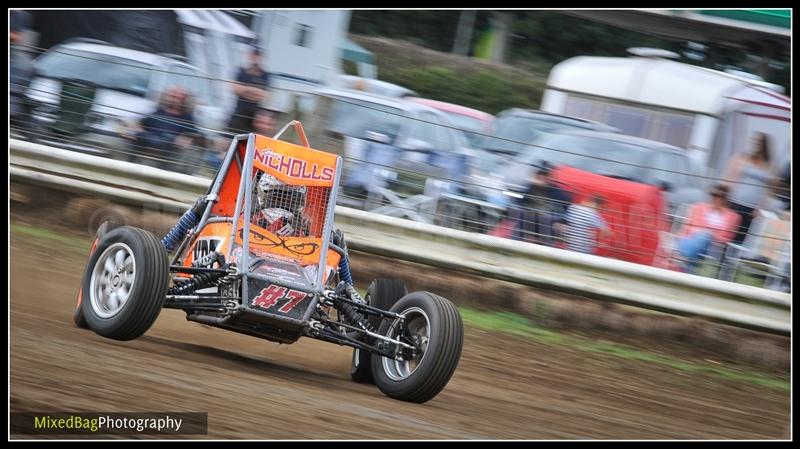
[583, 221]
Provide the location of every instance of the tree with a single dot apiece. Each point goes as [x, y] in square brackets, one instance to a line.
[466, 23]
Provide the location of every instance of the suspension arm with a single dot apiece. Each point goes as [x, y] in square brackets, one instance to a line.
[371, 334]
[197, 270]
[340, 339]
[364, 307]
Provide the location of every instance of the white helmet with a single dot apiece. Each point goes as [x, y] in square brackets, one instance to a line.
[274, 194]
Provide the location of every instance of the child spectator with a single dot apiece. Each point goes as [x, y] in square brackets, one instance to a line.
[583, 221]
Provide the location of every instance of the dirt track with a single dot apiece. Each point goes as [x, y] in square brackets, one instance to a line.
[505, 387]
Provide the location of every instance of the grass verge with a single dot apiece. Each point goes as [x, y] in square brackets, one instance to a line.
[48, 235]
[513, 324]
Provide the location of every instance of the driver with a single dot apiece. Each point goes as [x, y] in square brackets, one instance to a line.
[281, 208]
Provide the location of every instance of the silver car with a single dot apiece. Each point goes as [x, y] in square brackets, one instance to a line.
[127, 84]
[392, 143]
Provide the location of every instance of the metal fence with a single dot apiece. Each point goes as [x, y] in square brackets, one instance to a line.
[422, 184]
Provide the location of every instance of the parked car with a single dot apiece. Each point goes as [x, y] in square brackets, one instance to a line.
[373, 86]
[390, 142]
[475, 124]
[514, 128]
[119, 85]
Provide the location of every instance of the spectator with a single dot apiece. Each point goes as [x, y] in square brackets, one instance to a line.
[264, 122]
[251, 90]
[708, 222]
[582, 223]
[751, 177]
[542, 212]
[20, 72]
[783, 189]
[170, 133]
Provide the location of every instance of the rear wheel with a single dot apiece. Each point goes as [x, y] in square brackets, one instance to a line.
[382, 294]
[125, 283]
[103, 229]
[434, 325]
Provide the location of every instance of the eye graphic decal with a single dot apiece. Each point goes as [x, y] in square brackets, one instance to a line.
[273, 241]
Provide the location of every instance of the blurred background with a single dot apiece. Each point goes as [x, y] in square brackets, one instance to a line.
[655, 137]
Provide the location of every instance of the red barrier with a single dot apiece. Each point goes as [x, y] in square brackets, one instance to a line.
[633, 211]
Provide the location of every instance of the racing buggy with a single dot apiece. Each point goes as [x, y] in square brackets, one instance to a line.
[258, 255]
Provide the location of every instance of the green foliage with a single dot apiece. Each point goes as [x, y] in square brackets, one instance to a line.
[552, 37]
[549, 36]
[433, 29]
[481, 89]
[540, 39]
[518, 325]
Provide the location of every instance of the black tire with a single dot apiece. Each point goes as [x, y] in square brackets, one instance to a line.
[104, 228]
[147, 289]
[440, 359]
[383, 294]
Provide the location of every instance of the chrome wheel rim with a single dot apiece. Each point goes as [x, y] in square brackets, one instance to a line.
[418, 325]
[112, 280]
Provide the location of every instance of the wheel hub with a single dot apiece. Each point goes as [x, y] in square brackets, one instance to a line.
[416, 331]
[112, 280]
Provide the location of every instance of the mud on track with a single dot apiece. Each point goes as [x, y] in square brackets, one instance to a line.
[505, 387]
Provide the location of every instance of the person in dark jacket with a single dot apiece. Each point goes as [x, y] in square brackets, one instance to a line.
[170, 133]
[20, 70]
[250, 88]
[541, 213]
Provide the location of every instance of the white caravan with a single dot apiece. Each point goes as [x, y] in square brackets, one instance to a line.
[711, 114]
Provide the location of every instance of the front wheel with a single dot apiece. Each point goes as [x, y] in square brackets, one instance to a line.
[125, 283]
[434, 325]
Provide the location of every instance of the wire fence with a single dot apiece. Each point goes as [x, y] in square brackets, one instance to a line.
[639, 232]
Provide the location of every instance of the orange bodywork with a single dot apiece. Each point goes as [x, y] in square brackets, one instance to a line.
[304, 250]
[290, 164]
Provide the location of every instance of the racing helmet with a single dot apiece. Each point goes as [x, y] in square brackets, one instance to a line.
[274, 194]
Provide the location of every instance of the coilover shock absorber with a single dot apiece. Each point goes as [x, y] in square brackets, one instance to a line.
[350, 312]
[188, 220]
[197, 282]
[356, 318]
[344, 263]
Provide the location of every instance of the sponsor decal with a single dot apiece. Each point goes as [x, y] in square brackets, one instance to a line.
[294, 167]
[205, 246]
